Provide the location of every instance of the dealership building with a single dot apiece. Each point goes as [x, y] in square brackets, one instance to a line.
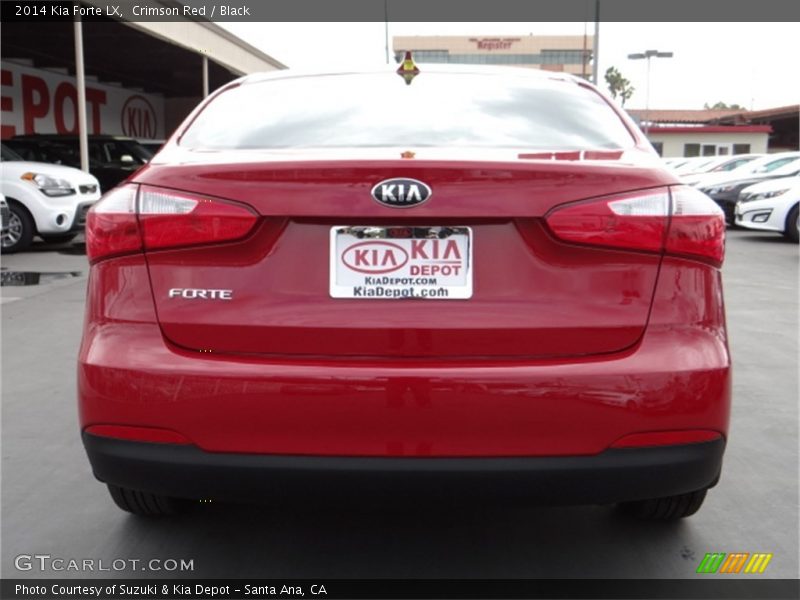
[711, 132]
[141, 79]
[570, 54]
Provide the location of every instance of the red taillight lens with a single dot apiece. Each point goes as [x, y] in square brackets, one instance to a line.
[681, 221]
[636, 221]
[666, 438]
[111, 225]
[697, 226]
[171, 219]
[131, 218]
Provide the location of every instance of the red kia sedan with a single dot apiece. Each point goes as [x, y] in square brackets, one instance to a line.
[460, 281]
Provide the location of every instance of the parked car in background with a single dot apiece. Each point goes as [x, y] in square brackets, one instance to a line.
[44, 199]
[153, 146]
[693, 164]
[675, 161]
[699, 165]
[722, 164]
[755, 168]
[771, 206]
[504, 293]
[726, 193]
[112, 159]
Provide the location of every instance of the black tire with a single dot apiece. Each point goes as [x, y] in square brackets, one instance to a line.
[790, 230]
[666, 509]
[21, 229]
[59, 238]
[145, 504]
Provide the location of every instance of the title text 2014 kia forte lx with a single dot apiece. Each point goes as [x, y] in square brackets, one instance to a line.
[457, 281]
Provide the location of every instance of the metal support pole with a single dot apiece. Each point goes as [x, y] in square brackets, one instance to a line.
[205, 76]
[80, 76]
[647, 101]
[596, 44]
[585, 55]
[647, 55]
[386, 27]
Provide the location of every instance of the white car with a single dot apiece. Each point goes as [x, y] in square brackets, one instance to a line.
[47, 200]
[693, 164]
[720, 165]
[756, 168]
[771, 206]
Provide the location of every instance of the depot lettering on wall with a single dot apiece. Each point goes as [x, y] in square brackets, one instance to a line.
[39, 101]
[494, 43]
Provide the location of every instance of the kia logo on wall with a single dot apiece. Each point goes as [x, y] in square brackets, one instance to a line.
[401, 192]
[139, 118]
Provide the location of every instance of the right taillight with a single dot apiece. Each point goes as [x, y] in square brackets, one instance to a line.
[133, 218]
[678, 220]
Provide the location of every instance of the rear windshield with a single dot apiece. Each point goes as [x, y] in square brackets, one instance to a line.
[435, 110]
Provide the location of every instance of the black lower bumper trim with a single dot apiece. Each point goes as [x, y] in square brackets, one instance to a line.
[612, 476]
[79, 220]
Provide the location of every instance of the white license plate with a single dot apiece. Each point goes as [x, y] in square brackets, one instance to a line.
[380, 263]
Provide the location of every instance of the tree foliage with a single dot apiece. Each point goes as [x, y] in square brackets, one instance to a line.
[618, 85]
[723, 106]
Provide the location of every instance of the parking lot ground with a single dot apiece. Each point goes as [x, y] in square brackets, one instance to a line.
[52, 505]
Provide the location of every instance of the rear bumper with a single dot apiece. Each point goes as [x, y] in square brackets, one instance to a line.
[614, 475]
[771, 215]
[676, 379]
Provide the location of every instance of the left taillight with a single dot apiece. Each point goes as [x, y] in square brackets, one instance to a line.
[112, 227]
[133, 218]
[679, 221]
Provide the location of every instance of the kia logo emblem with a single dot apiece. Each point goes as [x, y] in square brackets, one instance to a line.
[401, 192]
[375, 257]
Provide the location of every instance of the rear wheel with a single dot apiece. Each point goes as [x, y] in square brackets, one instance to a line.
[20, 229]
[666, 509]
[792, 229]
[145, 504]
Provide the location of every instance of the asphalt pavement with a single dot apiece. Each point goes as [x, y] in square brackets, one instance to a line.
[52, 505]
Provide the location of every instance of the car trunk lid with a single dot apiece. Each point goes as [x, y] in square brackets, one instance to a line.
[531, 294]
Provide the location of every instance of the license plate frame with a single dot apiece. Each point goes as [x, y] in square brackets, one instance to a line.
[397, 262]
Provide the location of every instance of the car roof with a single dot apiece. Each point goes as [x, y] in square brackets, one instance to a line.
[438, 68]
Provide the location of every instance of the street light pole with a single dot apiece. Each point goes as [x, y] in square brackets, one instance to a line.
[386, 27]
[648, 54]
[647, 98]
[596, 44]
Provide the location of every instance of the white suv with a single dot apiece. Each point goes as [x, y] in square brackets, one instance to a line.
[47, 200]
